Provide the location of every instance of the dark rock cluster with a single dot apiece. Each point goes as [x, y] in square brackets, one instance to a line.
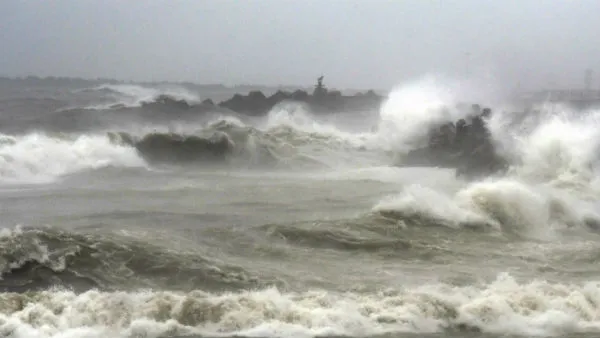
[256, 103]
[321, 100]
[465, 145]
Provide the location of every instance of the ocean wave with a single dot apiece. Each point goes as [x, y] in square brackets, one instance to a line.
[136, 96]
[320, 235]
[278, 142]
[551, 181]
[218, 142]
[38, 157]
[552, 143]
[178, 149]
[507, 205]
[41, 258]
[549, 142]
[504, 306]
[552, 154]
[41, 158]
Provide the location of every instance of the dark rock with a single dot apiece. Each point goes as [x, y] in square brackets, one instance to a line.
[300, 95]
[254, 103]
[278, 97]
[256, 95]
[462, 145]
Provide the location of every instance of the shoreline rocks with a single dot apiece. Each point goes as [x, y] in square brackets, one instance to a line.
[465, 145]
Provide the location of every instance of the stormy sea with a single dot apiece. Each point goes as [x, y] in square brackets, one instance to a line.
[122, 216]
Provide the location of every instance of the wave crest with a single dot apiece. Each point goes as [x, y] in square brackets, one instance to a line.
[36, 259]
[40, 158]
[136, 96]
[178, 149]
[505, 204]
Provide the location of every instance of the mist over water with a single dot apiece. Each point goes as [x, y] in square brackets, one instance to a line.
[122, 219]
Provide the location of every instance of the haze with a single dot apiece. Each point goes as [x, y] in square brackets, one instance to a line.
[355, 44]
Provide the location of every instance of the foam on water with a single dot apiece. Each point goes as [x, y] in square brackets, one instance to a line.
[563, 149]
[504, 306]
[505, 204]
[39, 158]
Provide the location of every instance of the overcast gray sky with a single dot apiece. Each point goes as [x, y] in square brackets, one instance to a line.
[355, 44]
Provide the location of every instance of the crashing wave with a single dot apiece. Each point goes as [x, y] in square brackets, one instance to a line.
[42, 157]
[176, 148]
[502, 307]
[227, 140]
[221, 142]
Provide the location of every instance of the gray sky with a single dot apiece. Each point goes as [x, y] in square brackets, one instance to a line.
[355, 44]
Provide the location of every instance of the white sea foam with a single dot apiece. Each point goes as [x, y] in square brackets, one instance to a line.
[503, 306]
[40, 158]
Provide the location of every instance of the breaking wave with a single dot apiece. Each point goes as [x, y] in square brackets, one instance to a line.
[58, 283]
[504, 306]
[506, 205]
[41, 258]
[41, 157]
[552, 182]
[135, 96]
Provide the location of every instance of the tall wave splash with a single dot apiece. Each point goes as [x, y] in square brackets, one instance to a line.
[552, 181]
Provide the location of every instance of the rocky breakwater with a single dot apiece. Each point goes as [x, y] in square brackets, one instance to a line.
[166, 103]
[256, 103]
[321, 100]
[465, 145]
